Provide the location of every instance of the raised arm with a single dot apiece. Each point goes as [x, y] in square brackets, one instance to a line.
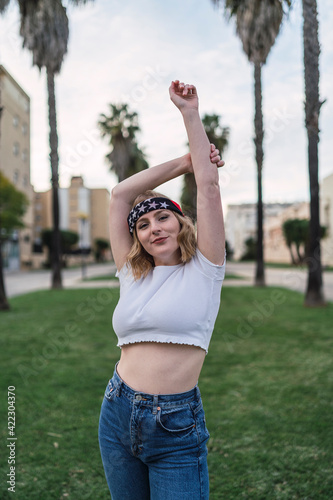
[210, 224]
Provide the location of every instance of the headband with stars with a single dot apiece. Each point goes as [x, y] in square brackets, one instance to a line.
[149, 205]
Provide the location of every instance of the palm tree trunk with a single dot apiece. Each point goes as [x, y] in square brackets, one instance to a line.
[258, 140]
[54, 158]
[314, 294]
[293, 260]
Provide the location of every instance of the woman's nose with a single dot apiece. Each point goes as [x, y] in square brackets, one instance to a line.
[154, 227]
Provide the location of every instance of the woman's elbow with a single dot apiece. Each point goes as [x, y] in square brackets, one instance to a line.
[210, 188]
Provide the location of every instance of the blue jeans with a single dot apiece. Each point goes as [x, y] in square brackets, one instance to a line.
[153, 447]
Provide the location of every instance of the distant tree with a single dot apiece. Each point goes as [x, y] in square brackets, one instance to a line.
[258, 24]
[217, 135]
[67, 240]
[120, 126]
[13, 205]
[229, 250]
[288, 233]
[314, 295]
[251, 249]
[101, 245]
[297, 232]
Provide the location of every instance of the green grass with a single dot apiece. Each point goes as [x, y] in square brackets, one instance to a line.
[234, 277]
[107, 277]
[266, 386]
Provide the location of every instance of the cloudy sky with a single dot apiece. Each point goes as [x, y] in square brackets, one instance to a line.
[130, 50]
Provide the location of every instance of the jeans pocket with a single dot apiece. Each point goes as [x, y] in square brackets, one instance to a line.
[110, 391]
[176, 420]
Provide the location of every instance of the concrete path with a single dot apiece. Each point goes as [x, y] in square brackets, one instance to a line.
[294, 279]
[21, 282]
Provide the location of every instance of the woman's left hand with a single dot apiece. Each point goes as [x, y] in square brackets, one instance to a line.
[215, 158]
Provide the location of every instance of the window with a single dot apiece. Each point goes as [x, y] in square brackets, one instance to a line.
[25, 180]
[16, 149]
[16, 176]
[16, 121]
[24, 129]
[25, 155]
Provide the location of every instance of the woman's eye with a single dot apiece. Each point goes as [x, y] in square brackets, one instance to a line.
[142, 226]
[163, 217]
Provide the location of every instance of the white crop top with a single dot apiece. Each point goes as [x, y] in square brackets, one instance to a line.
[174, 304]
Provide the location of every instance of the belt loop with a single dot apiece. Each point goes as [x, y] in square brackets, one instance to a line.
[119, 388]
[155, 404]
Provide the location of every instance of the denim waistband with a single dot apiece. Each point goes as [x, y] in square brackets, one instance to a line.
[154, 399]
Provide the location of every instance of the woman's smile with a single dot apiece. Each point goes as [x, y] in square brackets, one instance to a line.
[159, 240]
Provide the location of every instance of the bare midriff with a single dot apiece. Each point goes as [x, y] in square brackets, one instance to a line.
[158, 368]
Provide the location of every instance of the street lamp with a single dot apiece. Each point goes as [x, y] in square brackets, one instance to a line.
[83, 217]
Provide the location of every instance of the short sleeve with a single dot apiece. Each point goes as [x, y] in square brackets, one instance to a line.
[125, 277]
[209, 269]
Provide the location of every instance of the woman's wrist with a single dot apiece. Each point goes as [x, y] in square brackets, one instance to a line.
[189, 112]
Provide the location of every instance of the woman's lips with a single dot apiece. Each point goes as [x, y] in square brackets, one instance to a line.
[160, 240]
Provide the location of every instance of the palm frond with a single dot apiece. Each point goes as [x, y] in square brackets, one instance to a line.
[258, 23]
[3, 5]
[44, 28]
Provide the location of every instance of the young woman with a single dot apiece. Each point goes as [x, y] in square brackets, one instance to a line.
[152, 430]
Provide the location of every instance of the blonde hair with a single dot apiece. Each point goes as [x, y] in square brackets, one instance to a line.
[141, 261]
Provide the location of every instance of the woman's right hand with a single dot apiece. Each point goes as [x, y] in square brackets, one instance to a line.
[183, 96]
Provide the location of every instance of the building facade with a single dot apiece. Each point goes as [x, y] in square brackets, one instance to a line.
[82, 210]
[326, 219]
[15, 163]
[241, 223]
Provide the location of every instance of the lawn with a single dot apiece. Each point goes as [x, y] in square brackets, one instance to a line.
[266, 386]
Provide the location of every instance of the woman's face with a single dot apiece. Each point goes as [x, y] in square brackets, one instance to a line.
[157, 232]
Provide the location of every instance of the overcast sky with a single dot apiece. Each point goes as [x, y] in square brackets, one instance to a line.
[130, 50]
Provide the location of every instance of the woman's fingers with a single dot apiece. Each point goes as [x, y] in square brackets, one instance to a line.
[184, 89]
[215, 156]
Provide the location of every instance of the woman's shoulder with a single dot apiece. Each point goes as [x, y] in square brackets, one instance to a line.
[206, 267]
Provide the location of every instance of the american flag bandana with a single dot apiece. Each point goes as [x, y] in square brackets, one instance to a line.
[149, 205]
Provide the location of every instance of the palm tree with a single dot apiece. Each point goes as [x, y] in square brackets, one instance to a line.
[258, 24]
[314, 294]
[44, 29]
[121, 127]
[217, 135]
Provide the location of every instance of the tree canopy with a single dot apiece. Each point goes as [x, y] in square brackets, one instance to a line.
[13, 205]
[120, 126]
[296, 233]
